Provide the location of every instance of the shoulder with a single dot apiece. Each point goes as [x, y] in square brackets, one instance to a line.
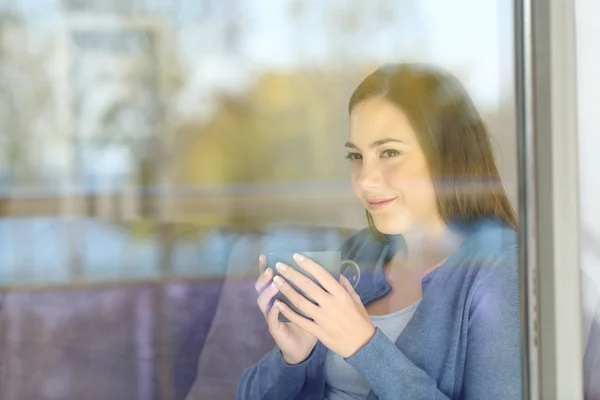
[493, 256]
[357, 239]
[490, 238]
[488, 244]
[488, 256]
[361, 244]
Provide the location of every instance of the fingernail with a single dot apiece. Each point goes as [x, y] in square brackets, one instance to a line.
[298, 257]
[278, 281]
[278, 304]
[261, 258]
[281, 267]
[267, 271]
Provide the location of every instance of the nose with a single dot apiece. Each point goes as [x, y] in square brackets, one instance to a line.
[369, 176]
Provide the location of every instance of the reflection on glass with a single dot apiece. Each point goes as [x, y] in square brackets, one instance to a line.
[151, 150]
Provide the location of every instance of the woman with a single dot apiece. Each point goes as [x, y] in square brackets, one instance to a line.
[436, 313]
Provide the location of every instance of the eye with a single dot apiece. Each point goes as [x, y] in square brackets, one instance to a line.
[390, 153]
[353, 156]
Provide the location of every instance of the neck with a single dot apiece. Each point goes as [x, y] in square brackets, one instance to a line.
[427, 248]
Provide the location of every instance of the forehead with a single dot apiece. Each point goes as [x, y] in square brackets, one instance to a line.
[379, 118]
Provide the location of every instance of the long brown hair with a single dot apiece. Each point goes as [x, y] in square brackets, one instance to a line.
[453, 137]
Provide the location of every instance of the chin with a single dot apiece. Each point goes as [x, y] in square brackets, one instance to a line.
[389, 226]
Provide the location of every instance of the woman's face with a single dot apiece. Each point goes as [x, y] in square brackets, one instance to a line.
[389, 172]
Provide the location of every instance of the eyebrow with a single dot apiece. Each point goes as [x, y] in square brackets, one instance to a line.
[375, 143]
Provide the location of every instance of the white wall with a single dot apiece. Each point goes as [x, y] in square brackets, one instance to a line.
[588, 87]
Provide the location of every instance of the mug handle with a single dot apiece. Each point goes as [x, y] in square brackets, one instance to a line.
[356, 268]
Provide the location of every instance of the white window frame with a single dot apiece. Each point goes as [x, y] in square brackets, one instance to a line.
[549, 198]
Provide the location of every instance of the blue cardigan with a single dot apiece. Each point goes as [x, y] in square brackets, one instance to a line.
[463, 342]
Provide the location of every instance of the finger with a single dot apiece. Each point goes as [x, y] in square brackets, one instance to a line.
[264, 279]
[304, 283]
[301, 302]
[346, 284]
[273, 319]
[304, 323]
[328, 282]
[349, 288]
[262, 263]
[264, 299]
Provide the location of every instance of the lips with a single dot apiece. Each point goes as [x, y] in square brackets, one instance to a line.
[378, 204]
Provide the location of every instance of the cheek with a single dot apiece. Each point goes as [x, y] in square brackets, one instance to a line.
[414, 183]
[423, 198]
[401, 178]
[426, 196]
[354, 176]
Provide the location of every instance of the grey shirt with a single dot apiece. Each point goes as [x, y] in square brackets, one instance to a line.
[343, 382]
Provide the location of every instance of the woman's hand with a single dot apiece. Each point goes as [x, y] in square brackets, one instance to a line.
[295, 343]
[340, 320]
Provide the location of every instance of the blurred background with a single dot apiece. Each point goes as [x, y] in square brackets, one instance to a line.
[151, 149]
